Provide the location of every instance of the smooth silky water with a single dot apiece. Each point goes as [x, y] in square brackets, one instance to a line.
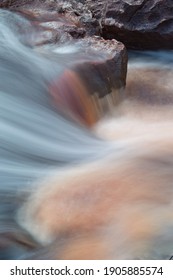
[68, 191]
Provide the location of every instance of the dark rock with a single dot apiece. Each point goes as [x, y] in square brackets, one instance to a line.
[96, 69]
[98, 65]
[65, 19]
[105, 67]
[139, 24]
[53, 27]
[58, 22]
[14, 3]
[101, 64]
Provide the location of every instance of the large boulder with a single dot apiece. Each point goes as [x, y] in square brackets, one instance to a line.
[139, 24]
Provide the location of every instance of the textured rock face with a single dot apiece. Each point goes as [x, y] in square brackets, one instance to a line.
[105, 67]
[57, 27]
[97, 68]
[78, 19]
[100, 63]
[139, 24]
[14, 3]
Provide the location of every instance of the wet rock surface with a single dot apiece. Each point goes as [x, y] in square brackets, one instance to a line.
[67, 17]
[107, 63]
[141, 24]
[100, 63]
[14, 3]
[97, 68]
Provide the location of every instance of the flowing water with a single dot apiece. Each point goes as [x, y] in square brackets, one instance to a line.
[100, 192]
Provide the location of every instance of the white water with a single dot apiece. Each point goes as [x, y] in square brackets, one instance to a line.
[36, 140]
[34, 136]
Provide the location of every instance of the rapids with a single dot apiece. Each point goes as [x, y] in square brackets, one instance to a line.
[37, 140]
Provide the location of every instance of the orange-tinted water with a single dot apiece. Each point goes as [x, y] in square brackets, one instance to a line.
[72, 192]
